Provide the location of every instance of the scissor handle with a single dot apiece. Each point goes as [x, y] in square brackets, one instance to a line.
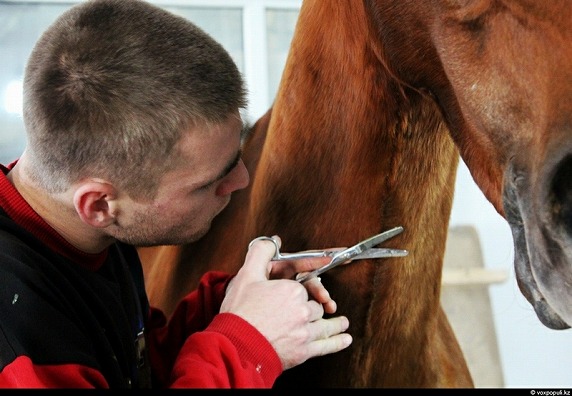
[359, 250]
[287, 256]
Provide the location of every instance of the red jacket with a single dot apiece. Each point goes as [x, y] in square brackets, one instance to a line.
[71, 319]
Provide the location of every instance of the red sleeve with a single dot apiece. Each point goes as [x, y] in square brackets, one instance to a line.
[23, 373]
[198, 347]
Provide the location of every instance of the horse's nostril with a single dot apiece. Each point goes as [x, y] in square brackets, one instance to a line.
[561, 194]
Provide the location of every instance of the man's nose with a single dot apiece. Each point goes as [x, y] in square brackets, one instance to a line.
[237, 179]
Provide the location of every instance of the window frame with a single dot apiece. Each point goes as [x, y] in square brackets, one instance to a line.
[254, 40]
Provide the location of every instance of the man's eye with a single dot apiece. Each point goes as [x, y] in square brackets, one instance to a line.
[205, 187]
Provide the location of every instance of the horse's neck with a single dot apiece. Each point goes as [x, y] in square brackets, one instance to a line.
[346, 157]
[327, 180]
[347, 154]
[316, 187]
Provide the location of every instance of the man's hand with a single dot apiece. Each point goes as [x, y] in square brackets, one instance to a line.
[282, 310]
[289, 269]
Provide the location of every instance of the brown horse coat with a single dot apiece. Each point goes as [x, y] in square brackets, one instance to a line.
[377, 101]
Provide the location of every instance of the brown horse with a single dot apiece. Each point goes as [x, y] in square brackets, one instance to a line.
[376, 102]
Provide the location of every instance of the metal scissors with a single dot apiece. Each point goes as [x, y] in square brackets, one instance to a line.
[362, 250]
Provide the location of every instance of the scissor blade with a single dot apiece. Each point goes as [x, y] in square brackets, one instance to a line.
[361, 248]
[368, 254]
[377, 239]
[380, 253]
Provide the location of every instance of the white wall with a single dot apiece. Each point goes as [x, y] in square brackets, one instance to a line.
[532, 356]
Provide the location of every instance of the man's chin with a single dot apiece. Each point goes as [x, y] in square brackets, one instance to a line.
[197, 234]
[172, 240]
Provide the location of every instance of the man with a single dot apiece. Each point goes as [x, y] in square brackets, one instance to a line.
[133, 125]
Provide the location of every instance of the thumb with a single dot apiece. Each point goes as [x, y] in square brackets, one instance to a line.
[257, 264]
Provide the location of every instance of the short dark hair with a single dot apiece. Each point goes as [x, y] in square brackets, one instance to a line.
[111, 86]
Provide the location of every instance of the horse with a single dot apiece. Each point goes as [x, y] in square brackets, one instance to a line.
[378, 101]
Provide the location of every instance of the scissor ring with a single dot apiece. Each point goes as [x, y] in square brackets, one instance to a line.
[271, 239]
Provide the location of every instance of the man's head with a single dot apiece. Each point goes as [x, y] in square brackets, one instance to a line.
[111, 86]
[134, 112]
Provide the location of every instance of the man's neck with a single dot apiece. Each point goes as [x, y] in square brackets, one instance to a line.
[58, 211]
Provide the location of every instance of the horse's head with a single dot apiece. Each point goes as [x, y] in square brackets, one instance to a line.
[504, 81]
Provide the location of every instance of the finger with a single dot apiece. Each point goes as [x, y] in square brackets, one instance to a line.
[329, 336]
[318, 292]
[325, 328]
[289, 269]
[316, 311]
[330, 345]
[277, 239]
[307, 265]
[258, 258]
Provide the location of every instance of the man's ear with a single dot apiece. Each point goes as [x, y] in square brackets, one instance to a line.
[94, 202]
